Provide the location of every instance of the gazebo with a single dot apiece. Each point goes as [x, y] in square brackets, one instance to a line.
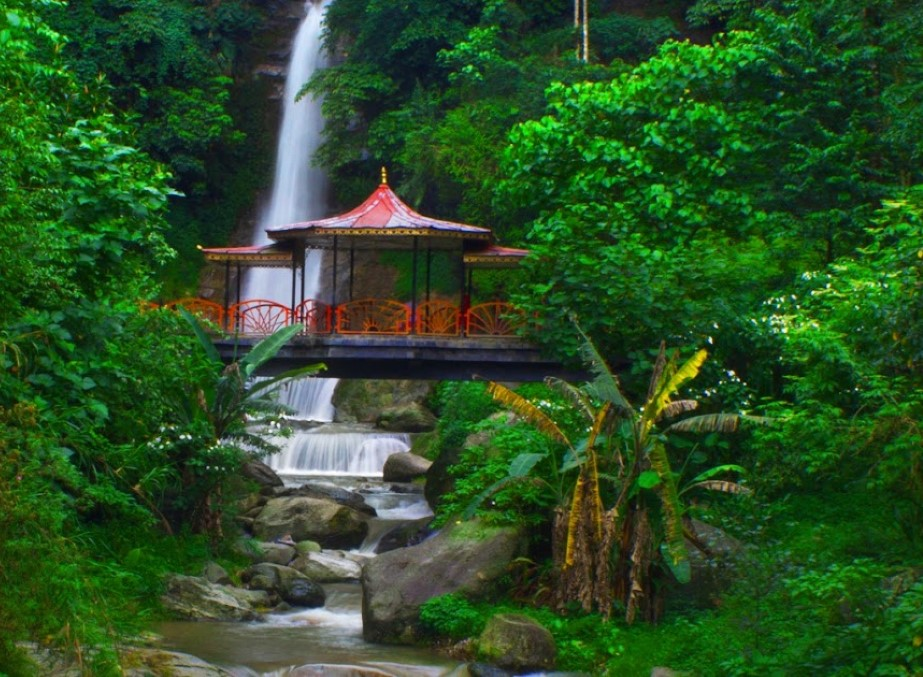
[381, 223]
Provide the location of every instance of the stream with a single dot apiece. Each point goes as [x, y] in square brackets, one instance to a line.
[323, 641]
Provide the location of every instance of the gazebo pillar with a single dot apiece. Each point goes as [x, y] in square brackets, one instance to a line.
[227, 292]
[333, 288]
[413, 286]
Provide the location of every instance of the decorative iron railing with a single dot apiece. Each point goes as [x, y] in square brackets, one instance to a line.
[366, 316]
[373, 316]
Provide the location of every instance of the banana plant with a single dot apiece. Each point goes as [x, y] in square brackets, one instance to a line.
[624, 501]
[224, 406]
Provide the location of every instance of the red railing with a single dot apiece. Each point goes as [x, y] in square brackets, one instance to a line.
[317, 317]
[438, 318]
[365, 316]
[373, 316]
[259, 316]
[495, 318]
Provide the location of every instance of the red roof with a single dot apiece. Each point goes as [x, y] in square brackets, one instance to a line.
[382, 214]
[494, 256]
[260, 255]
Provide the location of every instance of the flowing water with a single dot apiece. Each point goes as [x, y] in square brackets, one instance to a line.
[299, 193]
[325, 641]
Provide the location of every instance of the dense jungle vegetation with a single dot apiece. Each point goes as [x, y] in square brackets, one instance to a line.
[755, 191]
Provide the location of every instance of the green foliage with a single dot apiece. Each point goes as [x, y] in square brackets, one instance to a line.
[482, 475]
[460, 406]
[453, 617]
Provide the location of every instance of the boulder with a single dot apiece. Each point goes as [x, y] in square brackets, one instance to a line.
[439, 479]
[351, 499]
[322, 520]
[303, 547]
[193, 598]
[135, 662]
[262, 474]
[517, 642]
[404, 467]
[712, 571]
[406, 418]
[469, 557]
[215, 573]
[274, 553]
[286, 583]
[329, 566]
[403, 535]
[363, 399]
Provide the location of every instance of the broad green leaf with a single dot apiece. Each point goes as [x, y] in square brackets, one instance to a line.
[648, 479]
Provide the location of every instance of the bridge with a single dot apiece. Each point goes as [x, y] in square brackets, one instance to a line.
[429, 333]
[384, 339]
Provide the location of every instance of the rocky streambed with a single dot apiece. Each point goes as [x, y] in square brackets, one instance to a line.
[335, 583]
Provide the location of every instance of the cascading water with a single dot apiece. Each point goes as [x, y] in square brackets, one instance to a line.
[299, 193]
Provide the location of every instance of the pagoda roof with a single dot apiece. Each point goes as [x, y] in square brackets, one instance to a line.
[263, 256]
[495, 256]
[380, 218]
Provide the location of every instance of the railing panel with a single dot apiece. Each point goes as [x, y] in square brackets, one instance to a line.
[317, 317]
[203, 308]
[373, 316]
[259, 317]
[496, 318]
[438, 318]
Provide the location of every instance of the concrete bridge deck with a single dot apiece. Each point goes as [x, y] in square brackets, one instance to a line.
[408, 356]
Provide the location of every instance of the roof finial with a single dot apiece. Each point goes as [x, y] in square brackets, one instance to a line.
[384, 175]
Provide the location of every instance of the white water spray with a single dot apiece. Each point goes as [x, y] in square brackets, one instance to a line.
[299, 193]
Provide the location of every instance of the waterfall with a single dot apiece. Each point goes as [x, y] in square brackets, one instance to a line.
[332, 450]
[299, 192]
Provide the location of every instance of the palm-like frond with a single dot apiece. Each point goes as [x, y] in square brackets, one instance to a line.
[679, 407]
[672, 509]
[605, 385]
[523, 407]
[670, 384]
[726, 486]
[267, 348]
[285, 377]
[572, 394]
[706, 423]
[204, 339]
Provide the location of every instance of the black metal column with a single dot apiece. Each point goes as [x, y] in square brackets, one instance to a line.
[413, 287]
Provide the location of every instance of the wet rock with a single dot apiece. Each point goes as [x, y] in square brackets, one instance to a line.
[328, 566]
[351, 499]
[403, 535]
[195, 598]
[469, 557]
[404, 467]
[362, 400]
[406, 418]
[303, 547]
[262, 474]
[286, 583]
[215, 573]
[517, 642]
[136, 662]
[321, 520]
[275, 553]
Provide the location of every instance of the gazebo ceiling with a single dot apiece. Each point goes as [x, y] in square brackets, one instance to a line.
[383, 217]
[263, 256]
[495, 256]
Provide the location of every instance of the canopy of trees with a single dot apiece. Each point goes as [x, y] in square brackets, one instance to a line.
[741, 176]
